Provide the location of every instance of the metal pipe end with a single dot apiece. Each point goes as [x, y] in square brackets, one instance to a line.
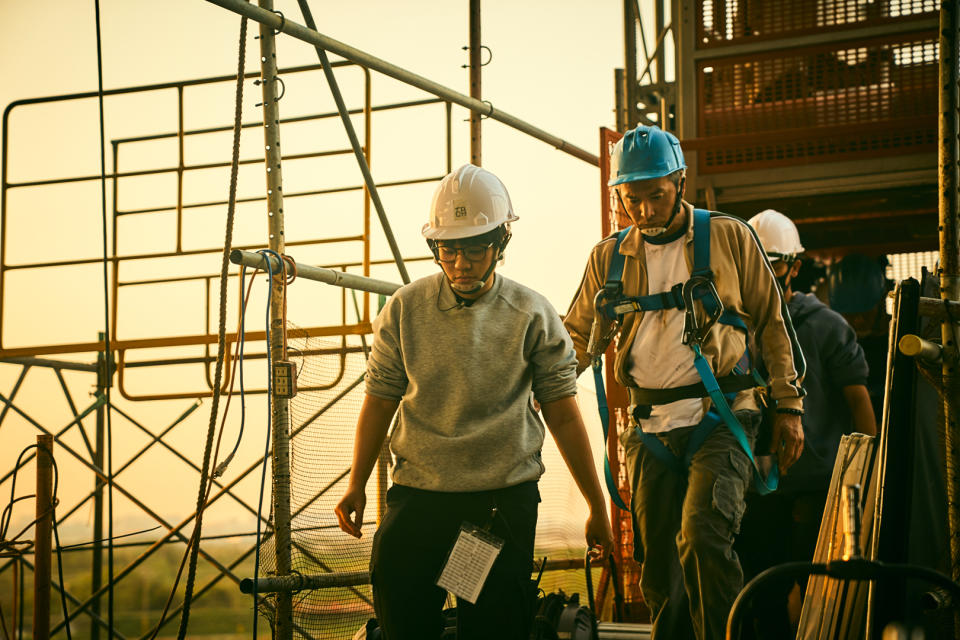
[916, 347]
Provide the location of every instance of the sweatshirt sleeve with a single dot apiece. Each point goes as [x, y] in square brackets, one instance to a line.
[552, 357]
[386, 376]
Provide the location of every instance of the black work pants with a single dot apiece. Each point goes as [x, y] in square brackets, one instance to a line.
[777, 528]
[413, 541]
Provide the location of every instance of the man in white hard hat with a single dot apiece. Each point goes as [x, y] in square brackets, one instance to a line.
[783, 526]
[464, 355]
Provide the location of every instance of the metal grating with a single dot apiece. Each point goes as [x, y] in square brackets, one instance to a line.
[727, 22]
[863, 98]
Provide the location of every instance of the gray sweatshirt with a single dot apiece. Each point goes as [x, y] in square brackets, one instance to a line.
[465, 378]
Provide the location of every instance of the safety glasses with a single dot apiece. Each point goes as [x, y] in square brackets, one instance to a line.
[472, 253]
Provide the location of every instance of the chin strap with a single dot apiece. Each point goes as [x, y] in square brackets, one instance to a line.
[479, 284]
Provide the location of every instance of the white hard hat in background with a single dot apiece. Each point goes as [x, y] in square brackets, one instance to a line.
[468, 202]
[777, 234]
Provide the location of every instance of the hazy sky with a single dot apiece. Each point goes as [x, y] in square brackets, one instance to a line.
[552, 65]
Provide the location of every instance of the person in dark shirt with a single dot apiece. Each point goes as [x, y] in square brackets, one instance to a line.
[783, 526]
[858, 291]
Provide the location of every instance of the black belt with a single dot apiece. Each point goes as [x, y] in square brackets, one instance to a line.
[728, 384]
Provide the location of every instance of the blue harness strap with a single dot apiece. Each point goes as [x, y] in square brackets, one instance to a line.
[616, 305]
[612, 287]
[763, 485]
[701, 267]
[605, 423]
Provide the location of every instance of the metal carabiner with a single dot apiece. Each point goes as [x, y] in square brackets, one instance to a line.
[598, 341]
[692, 330]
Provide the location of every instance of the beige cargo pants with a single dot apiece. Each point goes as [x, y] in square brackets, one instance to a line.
[684, 528]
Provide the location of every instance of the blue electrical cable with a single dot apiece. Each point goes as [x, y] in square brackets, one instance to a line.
[266, 452]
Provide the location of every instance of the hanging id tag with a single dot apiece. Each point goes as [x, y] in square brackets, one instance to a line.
[469, 562]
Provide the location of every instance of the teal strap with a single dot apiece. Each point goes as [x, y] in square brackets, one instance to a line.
[764, 486]
[605, 423]
[700, 433]
[615, 272]
[701, 242]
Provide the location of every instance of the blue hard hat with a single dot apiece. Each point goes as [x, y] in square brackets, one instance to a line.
[644, 153]
[857, 284]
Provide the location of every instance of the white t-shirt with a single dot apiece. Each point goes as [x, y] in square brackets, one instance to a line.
[658, 357]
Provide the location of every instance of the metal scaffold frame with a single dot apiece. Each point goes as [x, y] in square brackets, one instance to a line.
[94, 452]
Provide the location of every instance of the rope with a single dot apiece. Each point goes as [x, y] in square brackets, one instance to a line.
[220, 468]
[194, 544]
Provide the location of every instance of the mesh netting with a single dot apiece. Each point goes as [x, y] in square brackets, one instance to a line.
[323, 418]
[323, 415]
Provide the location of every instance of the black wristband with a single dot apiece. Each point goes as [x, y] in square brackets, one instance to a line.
[790, 411]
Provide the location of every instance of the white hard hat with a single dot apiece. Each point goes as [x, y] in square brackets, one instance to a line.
[777, 234]
[468, 202]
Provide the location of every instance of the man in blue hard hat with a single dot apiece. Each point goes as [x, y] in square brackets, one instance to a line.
[683, 288]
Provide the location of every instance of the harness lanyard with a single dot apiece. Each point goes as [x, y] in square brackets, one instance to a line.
[694, 336]
[763, 485]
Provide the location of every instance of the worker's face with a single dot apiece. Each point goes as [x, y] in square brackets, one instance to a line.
[785, 273]
[465, 271]
[649, 203]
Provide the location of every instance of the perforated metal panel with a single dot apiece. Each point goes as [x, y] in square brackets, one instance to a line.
[723, 22]
[831, 102]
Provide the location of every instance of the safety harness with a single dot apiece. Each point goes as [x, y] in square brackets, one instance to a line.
[611, 303]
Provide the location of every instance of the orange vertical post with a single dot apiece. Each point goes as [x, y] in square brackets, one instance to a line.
[42, 538]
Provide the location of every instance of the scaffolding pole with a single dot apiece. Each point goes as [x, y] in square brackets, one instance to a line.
[319, 274]
[280, 410]
[950, 269]
[42, 538]
[275, 21]
[630, 61]
[475, 117]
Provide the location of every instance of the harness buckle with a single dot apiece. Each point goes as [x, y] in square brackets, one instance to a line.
[700, 286]
[673, 297]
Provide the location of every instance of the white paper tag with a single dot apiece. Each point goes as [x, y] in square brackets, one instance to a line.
[469, 562]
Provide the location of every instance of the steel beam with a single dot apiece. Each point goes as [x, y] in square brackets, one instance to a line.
[274, 21]
[319, 274]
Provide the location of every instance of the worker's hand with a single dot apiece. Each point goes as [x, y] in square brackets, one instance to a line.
[350, 511]
[599, 535]
[787, 440]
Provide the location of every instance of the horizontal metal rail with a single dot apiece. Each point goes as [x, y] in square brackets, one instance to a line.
[329, 276]
[361, 328]
[362, 58]
[940, 310]
[53, 364]
[297, 582]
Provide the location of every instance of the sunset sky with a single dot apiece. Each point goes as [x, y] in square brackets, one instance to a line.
[552, 65]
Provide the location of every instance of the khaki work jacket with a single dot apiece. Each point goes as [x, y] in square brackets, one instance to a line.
[745, 283]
